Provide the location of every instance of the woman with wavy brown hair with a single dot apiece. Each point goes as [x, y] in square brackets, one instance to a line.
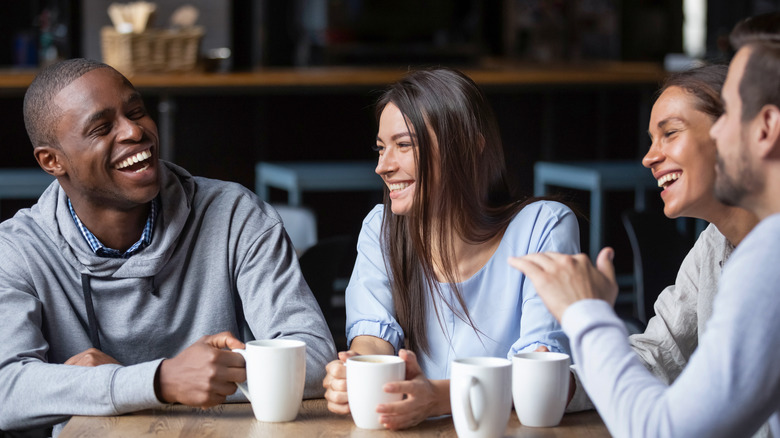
[431, 281]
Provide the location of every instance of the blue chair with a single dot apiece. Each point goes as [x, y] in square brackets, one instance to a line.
[597, 177]
[297, 177]
[23, 183]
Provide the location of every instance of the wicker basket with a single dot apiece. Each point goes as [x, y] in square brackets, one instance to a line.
[152, 51]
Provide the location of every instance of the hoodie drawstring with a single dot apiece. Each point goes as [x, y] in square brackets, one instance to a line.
[91, 320]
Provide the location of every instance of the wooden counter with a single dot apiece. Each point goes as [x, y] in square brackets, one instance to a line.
[612, 73]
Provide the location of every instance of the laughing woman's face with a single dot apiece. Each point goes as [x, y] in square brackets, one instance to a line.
[682, 155]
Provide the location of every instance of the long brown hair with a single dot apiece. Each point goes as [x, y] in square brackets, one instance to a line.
[460, 181]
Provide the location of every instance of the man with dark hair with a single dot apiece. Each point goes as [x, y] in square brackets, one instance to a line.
[762, 27]
[124, 286]
[751, 92]
[732, 383]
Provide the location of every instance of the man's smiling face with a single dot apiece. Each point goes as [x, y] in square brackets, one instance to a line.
[108, 143]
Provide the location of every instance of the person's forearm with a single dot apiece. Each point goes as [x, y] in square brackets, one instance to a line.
[371, 345]
[73, 390]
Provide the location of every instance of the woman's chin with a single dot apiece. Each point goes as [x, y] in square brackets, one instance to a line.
[671, 213]
[399, 210]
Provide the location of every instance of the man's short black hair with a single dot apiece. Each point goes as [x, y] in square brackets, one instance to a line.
[40, 115]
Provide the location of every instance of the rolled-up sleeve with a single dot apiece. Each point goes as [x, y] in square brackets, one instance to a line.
[369, 301]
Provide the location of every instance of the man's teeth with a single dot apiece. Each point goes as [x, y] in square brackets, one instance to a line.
[141, 156]
[668, 178]
[398, 186]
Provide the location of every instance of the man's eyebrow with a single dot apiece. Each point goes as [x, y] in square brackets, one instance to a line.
[136, 96]
[97, 115]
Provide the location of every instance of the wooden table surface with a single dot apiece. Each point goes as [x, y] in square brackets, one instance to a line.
[314, 420]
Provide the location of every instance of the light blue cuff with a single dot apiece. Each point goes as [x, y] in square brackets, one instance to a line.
[387, 332]
[555, 341]
[533, 346]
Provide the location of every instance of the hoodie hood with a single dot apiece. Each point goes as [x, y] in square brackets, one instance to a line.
[177, 189]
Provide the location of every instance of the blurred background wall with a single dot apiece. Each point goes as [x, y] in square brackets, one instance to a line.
[222, 135]
[317, 32]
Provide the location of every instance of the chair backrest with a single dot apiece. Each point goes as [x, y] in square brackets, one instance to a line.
[322, 265]
[300, 224]
[659, 248]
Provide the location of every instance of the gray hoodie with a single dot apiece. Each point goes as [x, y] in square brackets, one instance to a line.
[219, 260]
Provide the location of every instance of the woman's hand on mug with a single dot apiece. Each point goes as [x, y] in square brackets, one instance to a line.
[424, 397]
[335, 383]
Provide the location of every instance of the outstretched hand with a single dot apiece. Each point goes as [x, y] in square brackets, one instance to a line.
[204, 374]
[424, 398]
[563, 279]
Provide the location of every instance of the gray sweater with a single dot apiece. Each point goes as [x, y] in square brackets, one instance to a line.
[219, 260]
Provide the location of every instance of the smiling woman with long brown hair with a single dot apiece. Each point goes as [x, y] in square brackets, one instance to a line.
[431, 281]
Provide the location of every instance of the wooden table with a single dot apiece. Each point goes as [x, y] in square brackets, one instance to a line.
[314, 420]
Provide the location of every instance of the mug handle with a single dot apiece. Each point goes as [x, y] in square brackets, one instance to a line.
[465, 399]
[242, 386]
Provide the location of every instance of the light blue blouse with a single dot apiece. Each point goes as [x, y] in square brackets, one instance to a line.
[508, 314]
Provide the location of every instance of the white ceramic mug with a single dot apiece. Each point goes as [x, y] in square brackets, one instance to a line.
[366, 376]
[540, 387]
[275, 376]
[481, 396]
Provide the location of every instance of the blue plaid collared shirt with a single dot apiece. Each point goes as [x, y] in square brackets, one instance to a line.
[103, 251]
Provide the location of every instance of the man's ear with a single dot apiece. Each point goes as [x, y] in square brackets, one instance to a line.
[50, 159]
[768, 120]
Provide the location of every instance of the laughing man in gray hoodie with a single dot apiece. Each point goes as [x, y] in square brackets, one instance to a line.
[126, 284]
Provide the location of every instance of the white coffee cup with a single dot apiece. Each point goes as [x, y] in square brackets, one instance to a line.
[366, 377]
[275, 376]
[540, 387]
[481, 396]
